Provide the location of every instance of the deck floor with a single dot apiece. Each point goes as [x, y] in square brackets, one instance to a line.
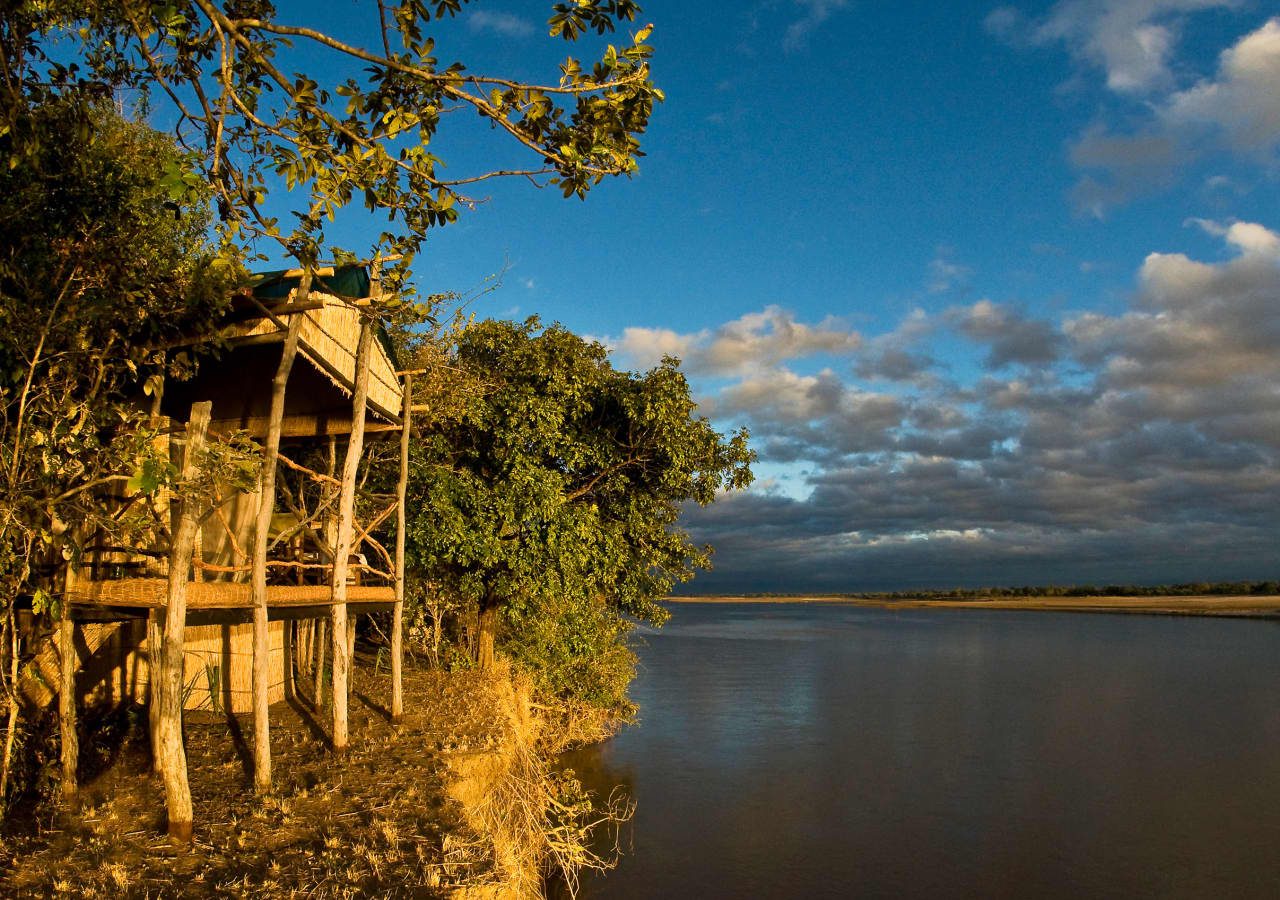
[151, 593]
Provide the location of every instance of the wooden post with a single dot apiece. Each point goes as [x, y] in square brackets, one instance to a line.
[317, 675]
[346, 533]
[397, 615]
[67, 689]
[155, 643]
[261, 536]
[172, 755]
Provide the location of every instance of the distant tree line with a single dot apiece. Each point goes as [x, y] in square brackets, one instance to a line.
[1185, 589]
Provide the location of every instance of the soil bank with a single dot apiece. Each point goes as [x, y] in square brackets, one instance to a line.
[399, 815]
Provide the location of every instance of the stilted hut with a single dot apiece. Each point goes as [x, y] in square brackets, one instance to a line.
[260, 587]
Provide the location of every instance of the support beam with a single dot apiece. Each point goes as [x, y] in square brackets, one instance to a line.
[397, 617]
[67, 689]
[171, 753]
[261, 536]
[346, 531]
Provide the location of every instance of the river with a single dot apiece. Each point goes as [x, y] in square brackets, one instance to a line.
[789, 750]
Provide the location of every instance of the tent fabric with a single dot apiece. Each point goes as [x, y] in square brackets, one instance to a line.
[348, 282]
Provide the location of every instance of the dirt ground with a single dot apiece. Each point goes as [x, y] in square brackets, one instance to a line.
[376, 822]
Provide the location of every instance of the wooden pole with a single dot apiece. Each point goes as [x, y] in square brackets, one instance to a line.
[67, 689]
[172, 755]
[397, 615]
[155, 617]
[261, 536]
[346, 531]
[317, 690]
[155, 641]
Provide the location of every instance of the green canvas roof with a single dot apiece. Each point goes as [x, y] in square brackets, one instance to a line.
[350, 282]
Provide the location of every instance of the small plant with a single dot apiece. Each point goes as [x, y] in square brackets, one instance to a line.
[213, 675]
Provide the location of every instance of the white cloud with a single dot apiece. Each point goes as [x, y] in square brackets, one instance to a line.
[753, 342]
[813, 14]
[500, 23]
[945, 273]
[1237, 111]
[1132, 41]
[1243, 101]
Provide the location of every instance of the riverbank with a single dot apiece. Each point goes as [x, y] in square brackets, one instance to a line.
[406, 812]
[1208, 605]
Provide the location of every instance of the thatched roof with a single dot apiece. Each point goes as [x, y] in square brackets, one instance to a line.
[330, 333]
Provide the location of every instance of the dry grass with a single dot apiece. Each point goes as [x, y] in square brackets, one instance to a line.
[377, 822]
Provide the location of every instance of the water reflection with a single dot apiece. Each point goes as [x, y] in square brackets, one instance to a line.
[814, 751]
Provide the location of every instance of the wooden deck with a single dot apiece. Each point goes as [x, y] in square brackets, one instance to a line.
[133, 597]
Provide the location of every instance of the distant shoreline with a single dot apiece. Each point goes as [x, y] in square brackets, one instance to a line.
[1209, 605]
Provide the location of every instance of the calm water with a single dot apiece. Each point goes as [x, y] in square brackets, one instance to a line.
[820, 751]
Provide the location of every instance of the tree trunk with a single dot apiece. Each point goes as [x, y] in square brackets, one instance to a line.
[487, 627]
[261, 535]
[11, 725]
[171, 754]
[346, 534]
[397, 614]
[67, 690]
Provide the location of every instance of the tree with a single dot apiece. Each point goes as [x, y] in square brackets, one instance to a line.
[551, 498]
[351, 124]
[98, 269]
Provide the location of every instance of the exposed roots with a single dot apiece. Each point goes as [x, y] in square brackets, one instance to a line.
[543, 824]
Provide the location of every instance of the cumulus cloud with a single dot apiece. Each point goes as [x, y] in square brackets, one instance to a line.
[1010, 335]
[1138, 445]
[1236, 111]
[1243, 102]
[757, 340]
[900, 355]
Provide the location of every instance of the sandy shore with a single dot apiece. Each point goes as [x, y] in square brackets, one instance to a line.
[1256, 606]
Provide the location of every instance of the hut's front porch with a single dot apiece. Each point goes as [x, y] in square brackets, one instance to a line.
[114, 663]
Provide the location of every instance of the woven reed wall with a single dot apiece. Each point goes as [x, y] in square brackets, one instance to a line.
[332, 333]
[222, 655]
[217, 656]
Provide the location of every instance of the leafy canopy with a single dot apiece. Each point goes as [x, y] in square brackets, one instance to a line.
[258, 103]
[557, 489]
[98, 269]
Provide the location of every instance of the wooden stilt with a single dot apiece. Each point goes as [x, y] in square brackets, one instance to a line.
[162, 504]
[261, 535]
[346, 532]
[331, 541]
[397, 614]
[317, 691]
[290, 637]
[173, 756]
[155, 641]
[67, 690]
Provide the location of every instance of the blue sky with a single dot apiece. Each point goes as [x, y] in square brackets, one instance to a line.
[995, 287]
